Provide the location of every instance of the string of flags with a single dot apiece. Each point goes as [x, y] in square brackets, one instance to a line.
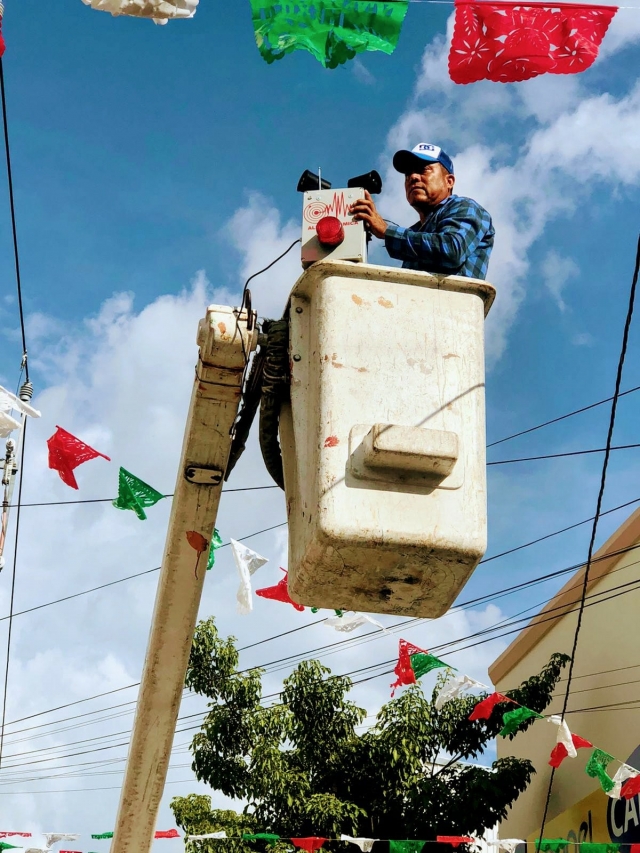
[505, 42]
[311, 844]
[67, 452]
[159, 11]
[52, 838]
[413, 662]
[248, 562]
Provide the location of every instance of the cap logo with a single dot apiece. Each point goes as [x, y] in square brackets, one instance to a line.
[427, 148]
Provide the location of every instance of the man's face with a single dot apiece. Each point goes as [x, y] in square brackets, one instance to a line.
[428, 184]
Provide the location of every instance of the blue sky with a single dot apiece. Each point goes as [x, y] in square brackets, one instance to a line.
[159, 164]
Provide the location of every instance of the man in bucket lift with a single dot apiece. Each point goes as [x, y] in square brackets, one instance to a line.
[454, 235]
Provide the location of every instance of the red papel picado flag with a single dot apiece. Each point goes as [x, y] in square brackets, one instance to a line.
[279, 592]
[310, 844]
[413, 663]
[484, 708]
[66, 452]
[510, 42]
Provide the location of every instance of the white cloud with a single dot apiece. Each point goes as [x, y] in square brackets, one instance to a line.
[362, 73]
[557, 271]
[121, 380]
[583, 339]
[623, 31]
[578, 144]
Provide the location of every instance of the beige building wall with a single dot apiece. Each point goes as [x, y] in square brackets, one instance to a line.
[608, 648]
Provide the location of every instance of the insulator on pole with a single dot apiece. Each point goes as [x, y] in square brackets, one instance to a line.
[26, 392]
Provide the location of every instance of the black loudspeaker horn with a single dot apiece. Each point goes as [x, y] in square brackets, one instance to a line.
[309, 182]
[371, 181]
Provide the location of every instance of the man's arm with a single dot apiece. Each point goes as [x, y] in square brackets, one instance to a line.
[459, 233]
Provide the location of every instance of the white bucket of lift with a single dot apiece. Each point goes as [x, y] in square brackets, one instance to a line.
[384, 438]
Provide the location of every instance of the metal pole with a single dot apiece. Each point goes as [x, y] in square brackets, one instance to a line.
[224, 347]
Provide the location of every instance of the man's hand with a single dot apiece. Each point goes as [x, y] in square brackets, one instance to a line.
[365, 210]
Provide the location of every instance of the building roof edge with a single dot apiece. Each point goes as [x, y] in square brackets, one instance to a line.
[565, 600]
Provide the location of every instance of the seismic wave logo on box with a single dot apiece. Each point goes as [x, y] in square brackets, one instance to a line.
[338, 206]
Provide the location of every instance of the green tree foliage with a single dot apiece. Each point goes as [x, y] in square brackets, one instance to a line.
[303, 769]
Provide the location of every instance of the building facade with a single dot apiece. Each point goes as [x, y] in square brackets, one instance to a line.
[604, 705]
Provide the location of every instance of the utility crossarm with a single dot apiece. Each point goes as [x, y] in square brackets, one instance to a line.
[225, 343]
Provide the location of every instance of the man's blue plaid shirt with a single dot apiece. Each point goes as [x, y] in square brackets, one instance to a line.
[455, 239]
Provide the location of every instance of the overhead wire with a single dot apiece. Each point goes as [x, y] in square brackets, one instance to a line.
[261, 488]
[110, 500]
[557, 532]
[302, 627]
[561, 417]
[14, 231]
[562, 455]
[317, 621]
[24, 365]
[509, 622]
[491, 444]
[122, 580]
[12, 614]
[382, 664]
[405, 623]
[594, 530]
[192, 728]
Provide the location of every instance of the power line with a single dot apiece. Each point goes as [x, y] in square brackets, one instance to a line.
[361, 669]
[110, 788]
[79, 594]
[261, 488]
[627, 705]
[192, 728]
[516, 630]
[117, 690]
[605, 686]
[509, 622]
[24, 365]
[13, 225]
[446, 646]
[557, 532]
[130, 577]
[487, 597]
[562, 417]
[603, 480]
[303, 627]
[110, 500]
[605, 450]
[122, 580]
[491, 444]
